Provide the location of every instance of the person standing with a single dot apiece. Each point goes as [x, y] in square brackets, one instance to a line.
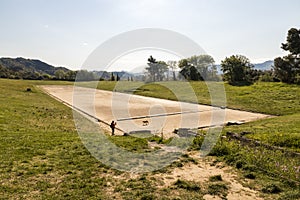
[113, 126]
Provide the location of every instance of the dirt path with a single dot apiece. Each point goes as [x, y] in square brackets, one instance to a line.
[131, 111]
[203, 170]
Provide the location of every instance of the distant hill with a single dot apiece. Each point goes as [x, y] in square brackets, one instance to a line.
[267, 65]
[27, 68]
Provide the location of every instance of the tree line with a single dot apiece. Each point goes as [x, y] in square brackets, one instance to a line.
[237, 69]
[59, 74]
[195, 68]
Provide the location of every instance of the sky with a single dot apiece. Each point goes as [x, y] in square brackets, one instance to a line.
[66, 32]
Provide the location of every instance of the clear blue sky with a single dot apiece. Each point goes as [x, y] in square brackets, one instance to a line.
[65, 32]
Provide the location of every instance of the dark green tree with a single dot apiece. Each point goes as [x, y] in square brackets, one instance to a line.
[292, 42]
[236, 70]
[112, 78]
[156, 69]
[188, 71]
[287, 68]
[152, 69]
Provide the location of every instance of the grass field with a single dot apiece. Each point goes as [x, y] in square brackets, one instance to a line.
[277, 99]
[42, 156]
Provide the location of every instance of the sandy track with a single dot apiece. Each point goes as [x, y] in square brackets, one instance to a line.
[131, 110]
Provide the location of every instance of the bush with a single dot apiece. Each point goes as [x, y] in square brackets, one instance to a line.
[239, 164]
[250, 176]
[271, 189]
[147, 197]
[197, 142]
[220, 150]
[292, 195]
[187, 185]
[215, 178]
[217, 189]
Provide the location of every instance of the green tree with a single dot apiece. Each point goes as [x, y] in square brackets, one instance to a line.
[60, 74]
[188, 71]
[112, 78]
[71, 75]
[152, 69]
[156, 69]
[287, 68]
[84, 75]
[162, 69]
[4, 72]
[199, 67]
[292, 42]
[172, 65]
[236, 70]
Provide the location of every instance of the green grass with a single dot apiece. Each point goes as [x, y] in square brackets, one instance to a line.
[282, 131]
[270, 98]
[262, 97]
[42, 156]
[130, 143]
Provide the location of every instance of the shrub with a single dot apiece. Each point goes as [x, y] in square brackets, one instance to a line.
[239, 164]
[217, 189]
[250, 176]
[271, 189]
[292, 195]
[187, 185]
[220, 150]
[215, 178]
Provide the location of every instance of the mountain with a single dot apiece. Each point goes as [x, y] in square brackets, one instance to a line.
[27, 68]
[267, 65]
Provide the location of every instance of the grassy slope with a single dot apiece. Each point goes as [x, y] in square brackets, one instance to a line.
[269, 98]
[40, 148]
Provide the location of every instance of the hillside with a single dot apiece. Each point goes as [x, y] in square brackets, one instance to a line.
[267, 65]
[21, 68]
